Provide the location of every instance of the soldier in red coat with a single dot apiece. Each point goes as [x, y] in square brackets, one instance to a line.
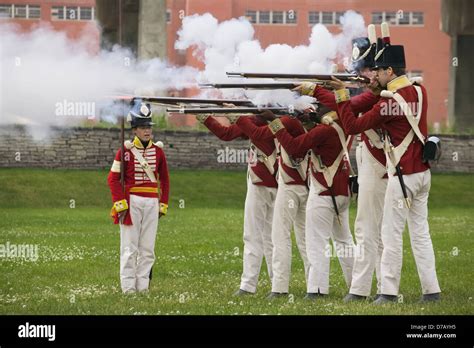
[372, 177]
[402, 114]
[261, 192]
[290, 202]
[327, 208]
[143, 200]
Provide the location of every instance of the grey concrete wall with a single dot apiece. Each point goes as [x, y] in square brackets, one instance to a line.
[458, 22]
[89, 148]
[152, 36]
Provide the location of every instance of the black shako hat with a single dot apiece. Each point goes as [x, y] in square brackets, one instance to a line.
[140, 114]
[387, 54]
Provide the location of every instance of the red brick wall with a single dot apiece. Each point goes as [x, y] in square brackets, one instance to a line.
[74, 29]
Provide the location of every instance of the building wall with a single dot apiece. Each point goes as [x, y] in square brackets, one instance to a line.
[94, 148]
[74, 29]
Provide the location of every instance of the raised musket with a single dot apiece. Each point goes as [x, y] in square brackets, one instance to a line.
[252, 85]
[196, 101]
[277, 110]
[309, 77]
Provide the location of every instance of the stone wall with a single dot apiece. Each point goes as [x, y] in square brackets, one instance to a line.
[92, 148]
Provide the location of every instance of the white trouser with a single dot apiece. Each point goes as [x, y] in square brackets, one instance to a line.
[368, 222]
[321, 226]
[289, 212]
[137, 243]
[394, 218]
[258, 217]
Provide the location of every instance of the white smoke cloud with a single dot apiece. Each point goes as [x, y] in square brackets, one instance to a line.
[231, 46]
[48, 79]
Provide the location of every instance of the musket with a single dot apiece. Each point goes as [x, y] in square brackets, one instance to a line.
[252, 85]
[277, 110]
[261, 85]
[318, 77]
[197, 101]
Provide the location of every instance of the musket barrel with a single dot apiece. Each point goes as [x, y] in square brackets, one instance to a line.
[180, 100]
[240, 110]
[252, 85]
[322, 77]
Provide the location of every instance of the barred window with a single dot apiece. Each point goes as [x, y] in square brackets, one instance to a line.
[20, 11]
[251, 16]
[34, 12]
[404, 18]
[313, 17]
[377, 17]
[391, 18]
[291, 17]
[328, 18]
[86, 13]
[6, 11]
[338, 17]
[57, 12]
[264, 17]
[72, 13]
[417, 18]
[277, 17]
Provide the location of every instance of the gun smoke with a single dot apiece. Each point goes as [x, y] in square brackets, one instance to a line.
[47, 79]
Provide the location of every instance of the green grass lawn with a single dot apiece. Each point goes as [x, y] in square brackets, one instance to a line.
[199, 250]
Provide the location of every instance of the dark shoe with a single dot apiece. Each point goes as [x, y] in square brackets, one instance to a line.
[274, 295]
[354, 298]
[384, 299]
[241, 292]
[431, 297]
[376, 296]
[313, 296]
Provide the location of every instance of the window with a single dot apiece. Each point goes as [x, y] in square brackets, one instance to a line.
[20, 11]
[168, 16]
[291, 17]
[338, 17]
[328, 18]
[72, 13]
[377, 17]
[251, 16]
[398, 18]
[57, 12]
[34, 12]
[5, 11]
[313, 17]
[417, 18]
[404, 18]
[86, 13]
[264, 17]
[277, 17]
[391, 18]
